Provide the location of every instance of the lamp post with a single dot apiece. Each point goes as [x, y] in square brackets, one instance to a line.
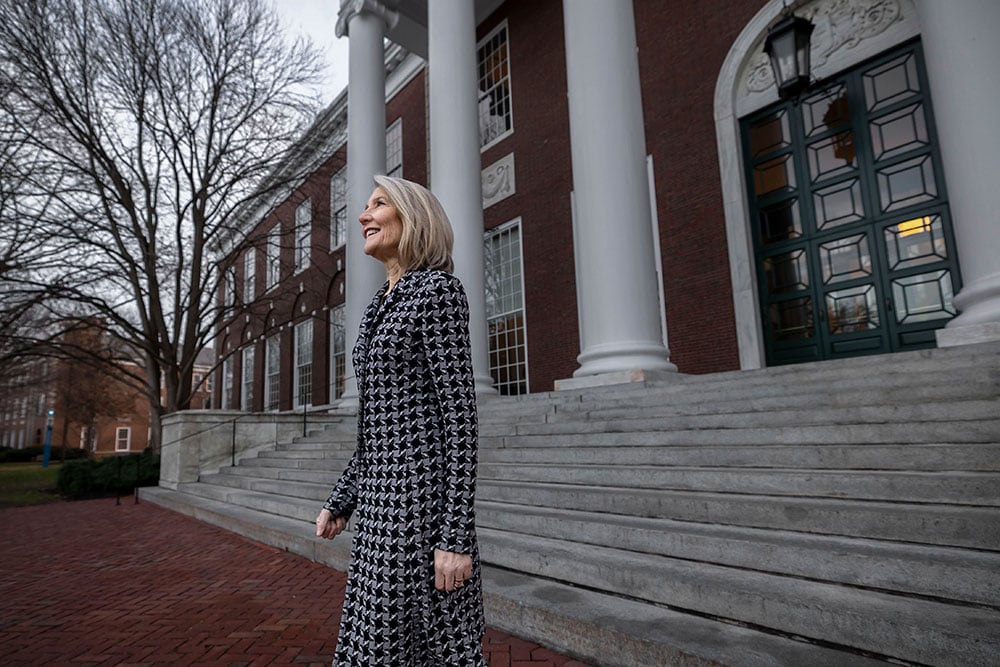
[787, 45]
[47, 449]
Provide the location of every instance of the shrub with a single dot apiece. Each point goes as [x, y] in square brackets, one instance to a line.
[114, 474]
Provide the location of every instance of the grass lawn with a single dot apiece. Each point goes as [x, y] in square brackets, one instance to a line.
[28, 484]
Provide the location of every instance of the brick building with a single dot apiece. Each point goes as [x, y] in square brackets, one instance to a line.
[90, 410]
[631, 197]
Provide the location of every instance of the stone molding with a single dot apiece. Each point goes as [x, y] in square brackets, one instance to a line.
[351, 8]
[498, 180]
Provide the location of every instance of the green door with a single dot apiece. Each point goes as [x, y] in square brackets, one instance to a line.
[852, 239]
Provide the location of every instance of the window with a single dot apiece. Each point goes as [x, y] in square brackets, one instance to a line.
[272, 357]
[303, 364]
[495, 118]
[249, 275]
[273, 257]
[338, 352]
[303, 234]
[246, 397]
[229, 289]
[338, 209]
[227, 384]
[123, 438]
[394, 149]
[505, 309]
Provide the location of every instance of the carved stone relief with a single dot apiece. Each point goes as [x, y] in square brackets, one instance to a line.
[498, 180]
[840, 25]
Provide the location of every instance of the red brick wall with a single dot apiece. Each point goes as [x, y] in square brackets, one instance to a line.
[681, 49]
[544, 180]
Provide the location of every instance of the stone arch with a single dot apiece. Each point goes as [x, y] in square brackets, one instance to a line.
[846, 34]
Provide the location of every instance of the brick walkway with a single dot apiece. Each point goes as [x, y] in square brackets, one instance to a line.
[92, 583]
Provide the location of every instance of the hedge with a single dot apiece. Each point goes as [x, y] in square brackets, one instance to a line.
[114, 474]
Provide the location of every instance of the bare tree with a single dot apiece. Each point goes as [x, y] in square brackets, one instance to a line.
[155, 123]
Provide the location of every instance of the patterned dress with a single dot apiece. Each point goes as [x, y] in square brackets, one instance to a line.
[411, 481]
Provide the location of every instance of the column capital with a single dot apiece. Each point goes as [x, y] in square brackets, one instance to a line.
[351, 8]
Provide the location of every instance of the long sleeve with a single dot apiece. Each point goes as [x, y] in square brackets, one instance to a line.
[344, 496]
[444, 332]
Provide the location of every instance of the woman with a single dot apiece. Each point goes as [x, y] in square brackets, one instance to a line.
[413, 587]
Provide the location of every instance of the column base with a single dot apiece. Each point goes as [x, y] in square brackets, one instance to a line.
[970, 334]
[615, 377]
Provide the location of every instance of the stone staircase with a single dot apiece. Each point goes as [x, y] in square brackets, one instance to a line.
[835, 513]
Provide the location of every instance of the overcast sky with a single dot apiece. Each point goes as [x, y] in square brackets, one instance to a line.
[318, 20]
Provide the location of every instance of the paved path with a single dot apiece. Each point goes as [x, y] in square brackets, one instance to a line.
[91, 583]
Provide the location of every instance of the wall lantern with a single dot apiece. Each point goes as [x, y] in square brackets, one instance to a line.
[787, 45]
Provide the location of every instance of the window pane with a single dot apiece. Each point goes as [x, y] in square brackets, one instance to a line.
[891, 82]
[899, 131]
[915, 242]
[831, 156]
[907, 183]
[769, 134]
[780, 222]
[838, 204]
[845, 259]
[787, 272]
[792, 320]
[852, 309]
[825, 110]
[773, 175]
[923, 297]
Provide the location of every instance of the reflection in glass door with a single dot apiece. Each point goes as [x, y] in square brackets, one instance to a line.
[852, 237]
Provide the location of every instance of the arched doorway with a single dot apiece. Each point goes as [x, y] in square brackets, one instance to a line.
[853, 249]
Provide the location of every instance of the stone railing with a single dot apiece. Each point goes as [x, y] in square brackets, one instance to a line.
[198, 442]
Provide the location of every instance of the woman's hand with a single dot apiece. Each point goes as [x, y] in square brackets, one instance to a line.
[329, 526]
[451, 570]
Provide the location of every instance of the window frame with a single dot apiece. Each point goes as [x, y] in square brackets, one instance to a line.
[249, 275]
[508, 313]
[118, 438]
[272, 258]
[272, 393]
[299, 348]
[483, 94]
[394, 148]
[246, 378]
[338, 206]
[303, 235]
[338, 352]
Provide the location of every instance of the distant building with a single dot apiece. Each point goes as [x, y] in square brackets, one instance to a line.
[631, 197]
[92, 410]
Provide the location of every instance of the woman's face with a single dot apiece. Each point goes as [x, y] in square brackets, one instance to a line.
[381, 227]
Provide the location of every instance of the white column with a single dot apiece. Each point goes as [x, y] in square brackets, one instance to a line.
[962, 53]
[615, 263]
[365, 26]
[455, 164]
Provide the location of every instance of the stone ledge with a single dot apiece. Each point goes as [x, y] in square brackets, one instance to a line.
[986, 332]
[618, 377]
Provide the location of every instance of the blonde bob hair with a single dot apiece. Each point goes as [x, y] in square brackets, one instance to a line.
[427, 238]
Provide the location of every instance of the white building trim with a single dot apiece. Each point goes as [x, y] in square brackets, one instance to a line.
[745, 85]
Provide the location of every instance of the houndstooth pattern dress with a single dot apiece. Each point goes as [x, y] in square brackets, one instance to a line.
[411, 481]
